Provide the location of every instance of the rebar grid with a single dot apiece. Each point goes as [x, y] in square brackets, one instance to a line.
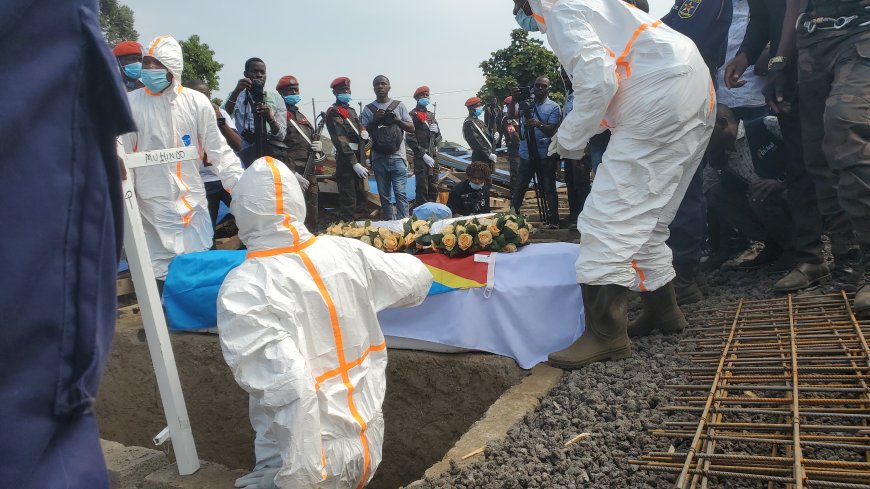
[787, 400]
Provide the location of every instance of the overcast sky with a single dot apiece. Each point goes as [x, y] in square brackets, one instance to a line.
[414, 42]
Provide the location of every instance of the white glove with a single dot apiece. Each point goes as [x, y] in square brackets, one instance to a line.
[434, 127]
[360, 170]
[496, 136]
[555, 149]
[317, 146]
[261, 479]
[302, 182]
[493, 158]
[364, 135]
[429, 161]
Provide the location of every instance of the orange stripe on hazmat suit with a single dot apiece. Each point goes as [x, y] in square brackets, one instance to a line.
[299, 330]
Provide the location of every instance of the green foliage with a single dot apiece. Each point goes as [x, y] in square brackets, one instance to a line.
[116, 22]
[199, 63]
[519, 65]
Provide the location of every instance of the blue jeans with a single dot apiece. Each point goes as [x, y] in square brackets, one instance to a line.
[391, 174]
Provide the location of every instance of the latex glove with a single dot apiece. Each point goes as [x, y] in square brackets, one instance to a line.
[360, 170]
[496, 136]
[556, 149]
[249, 480]
[364, 135]
[302, 182]
[317, 146]
[434, 127]
[429, 161]
[493, 158]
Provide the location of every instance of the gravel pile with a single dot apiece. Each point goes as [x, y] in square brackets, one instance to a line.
[615, 402]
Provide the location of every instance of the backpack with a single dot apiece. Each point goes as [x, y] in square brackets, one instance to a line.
[386, 140]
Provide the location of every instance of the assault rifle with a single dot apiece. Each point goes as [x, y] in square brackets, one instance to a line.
[313, 157]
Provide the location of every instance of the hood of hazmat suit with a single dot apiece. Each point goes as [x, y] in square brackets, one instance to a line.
[649, 85]
[172, 198]
[299, 330]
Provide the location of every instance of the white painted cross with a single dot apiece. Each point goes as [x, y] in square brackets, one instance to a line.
[178, 429]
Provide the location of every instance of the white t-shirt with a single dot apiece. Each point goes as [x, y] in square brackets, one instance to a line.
[208, 173]
[749, 95]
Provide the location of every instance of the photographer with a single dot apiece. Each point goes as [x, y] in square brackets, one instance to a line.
[249, 100]
[544, 116]
[387, 120]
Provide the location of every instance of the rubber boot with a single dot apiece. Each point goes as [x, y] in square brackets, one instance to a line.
[685, 286]
[861, 305]
[660, 310]
[605, 337]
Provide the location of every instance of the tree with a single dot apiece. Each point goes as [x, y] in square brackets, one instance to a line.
[199, 63]
[519, 65]
[116, 22]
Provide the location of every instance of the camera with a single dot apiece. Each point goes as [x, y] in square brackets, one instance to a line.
[523, 93]
[389, 118]
[256, 91]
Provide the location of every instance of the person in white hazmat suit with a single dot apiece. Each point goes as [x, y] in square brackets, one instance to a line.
[172, 197]
[299, 329]
[649, 85]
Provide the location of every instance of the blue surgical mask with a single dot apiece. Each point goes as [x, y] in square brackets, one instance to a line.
[527, 22]
[292, 99]
[478, 111]
[155, 80]
[423, 102]
[475, 186]
[344, 98]
[133, 70]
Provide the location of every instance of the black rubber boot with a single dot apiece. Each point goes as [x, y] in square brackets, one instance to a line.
[660, 310]
[862, 297]
[605, 337]
[685, 286]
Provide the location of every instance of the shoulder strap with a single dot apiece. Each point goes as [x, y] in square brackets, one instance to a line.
[299, 130]
[480, 131]
[394, 104]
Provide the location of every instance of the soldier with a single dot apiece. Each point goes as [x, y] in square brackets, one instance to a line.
[129, 56]
[424, 143]
[833, 51]
[345, 131]
[300, 143]
[475, 134]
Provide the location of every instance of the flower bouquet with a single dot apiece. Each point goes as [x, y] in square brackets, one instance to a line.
[503, 233]
[380, 237]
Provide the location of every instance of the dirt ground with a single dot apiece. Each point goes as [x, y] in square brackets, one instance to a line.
[432, 399]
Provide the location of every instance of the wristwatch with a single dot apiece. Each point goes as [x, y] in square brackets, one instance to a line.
[775, 61]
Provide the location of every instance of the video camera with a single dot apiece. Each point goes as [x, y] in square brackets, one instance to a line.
[524, 96]
[256, 91]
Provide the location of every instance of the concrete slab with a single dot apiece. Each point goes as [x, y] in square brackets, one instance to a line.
[210, 476]
[508, 410]
[127, 466]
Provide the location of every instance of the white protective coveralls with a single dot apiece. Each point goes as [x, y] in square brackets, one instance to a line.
[649, 85]
[299, 329]
[172, 197]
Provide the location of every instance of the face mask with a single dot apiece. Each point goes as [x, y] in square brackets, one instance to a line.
[475, 186]
[527, 22]
[292, 99]
[155, 80]
[344, 98]
[478, 111]
[423, 102]
[133, 70]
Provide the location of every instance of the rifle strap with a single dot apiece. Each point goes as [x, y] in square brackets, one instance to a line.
[299, 130]
[480, 131]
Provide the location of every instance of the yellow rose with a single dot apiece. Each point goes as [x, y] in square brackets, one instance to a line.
[335, 230]
[359, 232]
[460, 229]
[378, 243]
[391, 243]
[384, 232]
[371, 230]
[416, 225]
[493, 228]
[524, 235]
[348, 233]
[485, 238]
[512, 224]
[409, 239]
[448, 229]
[484, 223]
[366, 240]
[509, 248]
[465, 241]
[449, 241]
[423, 230]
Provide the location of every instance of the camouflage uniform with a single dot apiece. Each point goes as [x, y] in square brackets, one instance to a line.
[480, 144]
[343, 125]
[298, 146]
[834, 91]
[423, 142]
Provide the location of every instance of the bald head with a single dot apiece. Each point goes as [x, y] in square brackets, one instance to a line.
[198, 85]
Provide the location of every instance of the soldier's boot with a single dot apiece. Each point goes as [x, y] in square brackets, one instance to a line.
[605, 336]
[660, 310]
[685, 285]
[803, 276]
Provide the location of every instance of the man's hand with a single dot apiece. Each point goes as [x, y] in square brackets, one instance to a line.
[244, 84]
[123, 168]
[317, 146]
[217, 111]
[493, 158]
[433, 127]
[534, 123]
[364, 135]
[379, 115]
[760, 190]
[302, 182]
[774, 89]
[263, 109]
[734, 70]
[360, 170]
[429, 161]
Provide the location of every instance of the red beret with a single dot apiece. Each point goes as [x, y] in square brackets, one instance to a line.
[420, 90]
[509, 100]
[472, 102]
[125, 48]
[341, 81]
[286, 81]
